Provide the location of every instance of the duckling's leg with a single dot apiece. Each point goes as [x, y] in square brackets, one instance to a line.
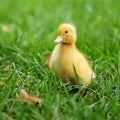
[75, 89]
[83, 91]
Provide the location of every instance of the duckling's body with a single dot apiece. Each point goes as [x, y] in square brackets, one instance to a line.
[65, 57]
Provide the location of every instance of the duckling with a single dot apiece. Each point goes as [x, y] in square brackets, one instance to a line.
[66, 60]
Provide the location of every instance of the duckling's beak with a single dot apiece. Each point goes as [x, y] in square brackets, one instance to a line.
[58, 40]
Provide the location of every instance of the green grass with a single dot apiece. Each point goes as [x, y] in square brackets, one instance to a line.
[32, 28]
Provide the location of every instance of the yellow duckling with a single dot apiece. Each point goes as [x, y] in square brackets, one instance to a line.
[66, 60]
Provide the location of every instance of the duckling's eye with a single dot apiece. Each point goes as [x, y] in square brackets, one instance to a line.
[66, 31]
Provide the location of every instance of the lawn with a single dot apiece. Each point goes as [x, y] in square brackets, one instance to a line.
[27, 31]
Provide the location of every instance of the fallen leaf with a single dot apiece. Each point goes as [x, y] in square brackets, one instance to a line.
[33, 99]
[23, 95]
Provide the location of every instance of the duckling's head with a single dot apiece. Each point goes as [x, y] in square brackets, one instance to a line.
[66, 34]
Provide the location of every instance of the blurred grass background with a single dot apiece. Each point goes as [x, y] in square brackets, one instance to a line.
[27, 31]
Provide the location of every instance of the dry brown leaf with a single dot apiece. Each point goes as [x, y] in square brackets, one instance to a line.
[33, 99]
[23, 94]
[26, 97]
